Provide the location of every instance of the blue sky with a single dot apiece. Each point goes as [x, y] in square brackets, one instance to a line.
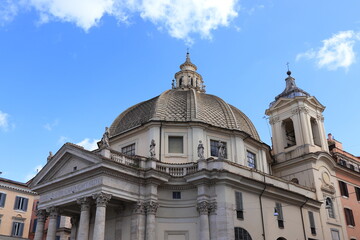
[69, 67]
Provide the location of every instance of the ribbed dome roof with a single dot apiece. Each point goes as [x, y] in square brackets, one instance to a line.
[189, 105]
[185, 102]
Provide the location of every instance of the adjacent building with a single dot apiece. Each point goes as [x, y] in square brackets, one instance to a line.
[348, 174]
[187, 165]
[16, 201]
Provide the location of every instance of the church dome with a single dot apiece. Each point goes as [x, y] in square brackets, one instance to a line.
[185, 102]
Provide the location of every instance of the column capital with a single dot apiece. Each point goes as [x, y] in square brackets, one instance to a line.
[53, 212]
[212, 208]
[41, 215]
[203, 207]
[84, 203]
[151, 207]
[139, 208]
[101, 199]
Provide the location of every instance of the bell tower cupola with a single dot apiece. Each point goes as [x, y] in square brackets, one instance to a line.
[187, 77]
[297, 123]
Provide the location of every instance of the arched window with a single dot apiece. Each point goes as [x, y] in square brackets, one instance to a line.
[295, 180]
[181, 82]
[289, 133]
[242, 234]
[315, 132]
[330, 207]
[281, 238]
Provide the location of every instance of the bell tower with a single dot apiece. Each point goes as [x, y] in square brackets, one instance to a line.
[297, 123]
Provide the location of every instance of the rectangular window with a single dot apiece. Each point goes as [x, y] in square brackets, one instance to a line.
[21, 203]
[335, 234]
[34, 225]
[239, 205]
[343, 189]
[357, 191]
[342, 162]
[251, 160]
[218, 149]
[176, 144]
[312, 223]
[2, 199]
[349, 217]
[176, 195]
[58, 222]
[17, 229]
[129, 150]
[280, 216]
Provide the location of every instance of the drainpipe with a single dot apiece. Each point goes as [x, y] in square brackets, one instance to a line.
[261, 209]
[302, 218]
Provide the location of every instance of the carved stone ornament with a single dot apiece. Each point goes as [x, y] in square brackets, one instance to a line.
[151, 207]
[84, 203]
[53, 212]
[200, 150]
[41, 215]
[152, 149]
[139, 208]
[203, 207]
[101, 199]
[299, 110]
[105, 138]
[212, 208]
[274, 120]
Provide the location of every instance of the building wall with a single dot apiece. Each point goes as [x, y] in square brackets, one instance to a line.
[8, 214]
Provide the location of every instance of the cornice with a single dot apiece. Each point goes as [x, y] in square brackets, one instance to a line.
[17, 189]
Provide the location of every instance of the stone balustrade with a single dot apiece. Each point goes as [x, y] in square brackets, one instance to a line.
[177, 170]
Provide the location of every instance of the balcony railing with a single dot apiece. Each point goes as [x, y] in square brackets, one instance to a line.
[176, 170]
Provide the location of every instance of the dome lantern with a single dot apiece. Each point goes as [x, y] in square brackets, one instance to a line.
[187, 78]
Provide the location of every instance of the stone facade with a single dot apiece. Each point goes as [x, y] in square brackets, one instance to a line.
[152, 183]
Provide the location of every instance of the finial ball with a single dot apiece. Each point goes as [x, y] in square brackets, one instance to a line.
[288, 72]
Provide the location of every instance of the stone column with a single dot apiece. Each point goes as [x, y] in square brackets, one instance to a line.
[203, 208]
[138, 222]
[151, 208]
[83, 231]
[74, 224]
[213, 228]
[41, 218]
[53, 214]
[100, 216]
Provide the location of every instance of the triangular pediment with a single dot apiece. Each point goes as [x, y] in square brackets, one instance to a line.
[68, 161]
[280, 103]
[315, 103]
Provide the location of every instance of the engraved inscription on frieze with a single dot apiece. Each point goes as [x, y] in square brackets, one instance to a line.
[70, 190]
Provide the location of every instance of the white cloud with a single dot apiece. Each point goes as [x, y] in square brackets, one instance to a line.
[4, 121]
[63, 140]
[8, 10]
[180, 18]
[33, 173]
[50, 126]
[89, 144]
[336, 52]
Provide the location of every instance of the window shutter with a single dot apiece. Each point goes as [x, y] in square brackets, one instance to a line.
[2, 199]
[239, 201]
[280, 213]
[17, 199]
[357, 190]
[25, 204]
[311, 219]
[13, 229]
[21, 226]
